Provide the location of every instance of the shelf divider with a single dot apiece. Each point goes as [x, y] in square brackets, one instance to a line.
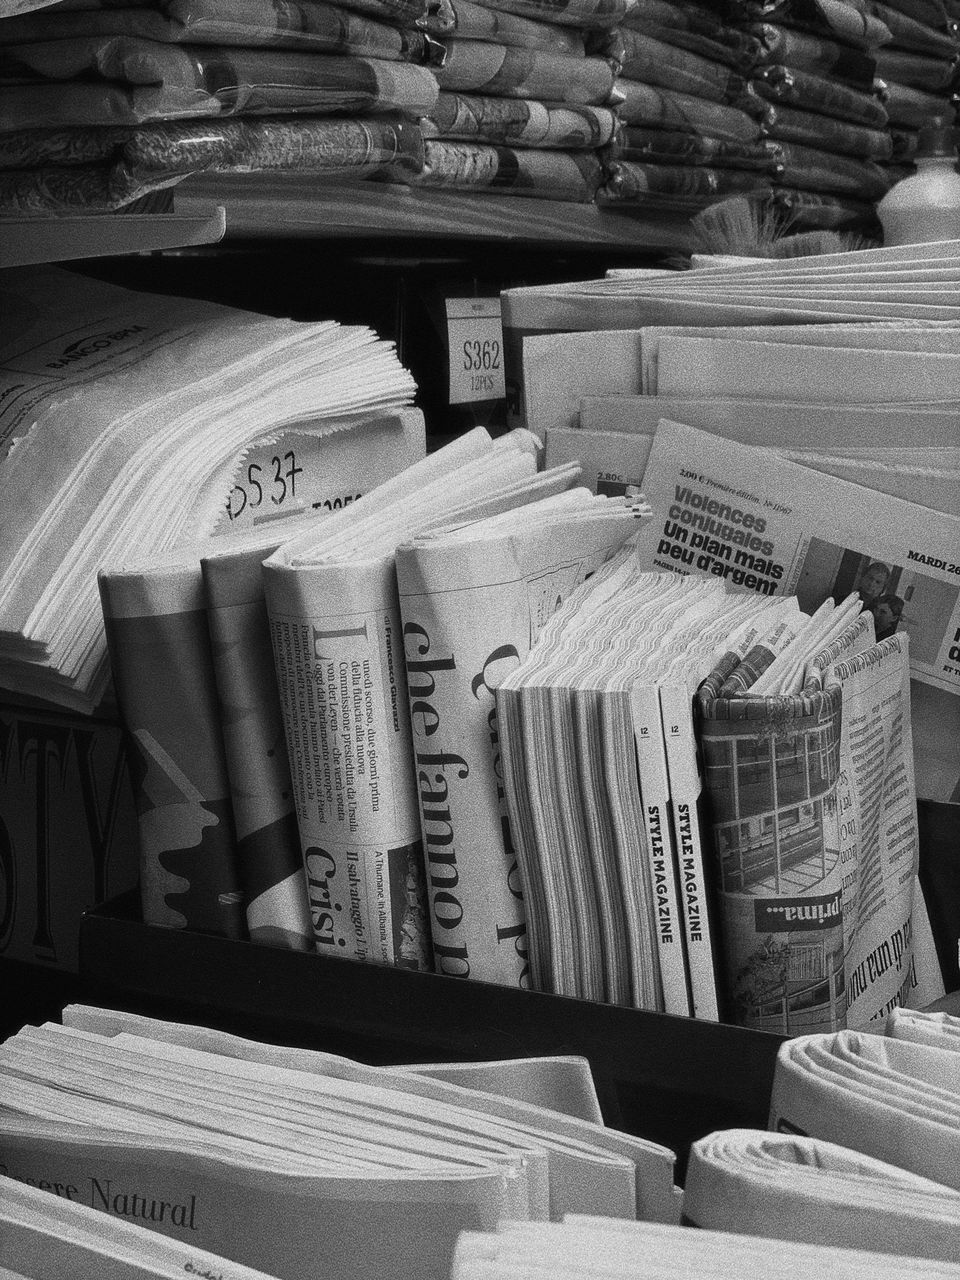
[61, 238]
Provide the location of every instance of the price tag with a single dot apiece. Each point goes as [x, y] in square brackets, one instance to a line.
[475, 339]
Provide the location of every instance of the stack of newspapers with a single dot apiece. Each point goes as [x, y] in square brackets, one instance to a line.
[845, 366]
[305, 1165]
[374, 736]
[124, 424]
[711, 799]
[315, 749]
[894, 288]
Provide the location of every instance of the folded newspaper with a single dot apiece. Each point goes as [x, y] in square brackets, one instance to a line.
[942, 1030]
[123, 422]
[473, 599]
[896, 1100]
[213, 1140]
[43, 1234]
[892, 284]
[788, 1187]
[339, 651]
[810, 802]
[608, 1247]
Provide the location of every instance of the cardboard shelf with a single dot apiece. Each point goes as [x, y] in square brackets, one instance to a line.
[26, 241]
[667, 1078]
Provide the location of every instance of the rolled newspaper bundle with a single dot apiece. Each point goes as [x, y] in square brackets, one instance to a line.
[941, 1030]
[892, 1099]
[788, 1187]
[599, 1247]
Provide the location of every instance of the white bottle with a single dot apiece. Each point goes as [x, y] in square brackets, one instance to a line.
[926, 205]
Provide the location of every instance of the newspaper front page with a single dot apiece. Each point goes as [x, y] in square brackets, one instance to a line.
[810, 797]
[762, 523]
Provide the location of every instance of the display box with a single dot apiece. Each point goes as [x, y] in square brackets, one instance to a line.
[68, 829]
[666, 1078]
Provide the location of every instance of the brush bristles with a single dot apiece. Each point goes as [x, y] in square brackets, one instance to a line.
[738, 226]
[745, 227]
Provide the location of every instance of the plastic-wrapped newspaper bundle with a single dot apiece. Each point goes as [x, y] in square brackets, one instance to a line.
[893, 1099]
[339, 649]
[319, 90]
[526, 98]
[584, 1245]
[791, 83]
[473, 599]
[813, 90]
[917, 71]
[686, 139]
[788, 1187]
[105, 168]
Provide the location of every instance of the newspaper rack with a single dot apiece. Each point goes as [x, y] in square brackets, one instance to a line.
[665, 1078]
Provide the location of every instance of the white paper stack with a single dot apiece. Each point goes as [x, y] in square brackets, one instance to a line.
[896, 1100]
[473, 598]
[585, 1246]
[602, 783]
[313, 1166]
[121, 416]
[788, 1187]
[890, 285]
